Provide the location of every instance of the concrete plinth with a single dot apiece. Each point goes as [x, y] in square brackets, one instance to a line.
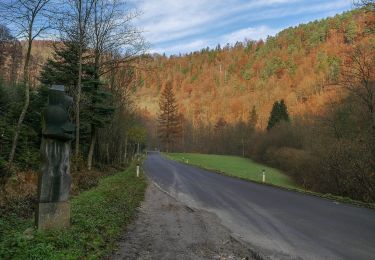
[53, 215]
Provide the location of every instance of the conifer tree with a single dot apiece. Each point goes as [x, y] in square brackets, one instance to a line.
[279, 112]
[169, 122]
[96, 111]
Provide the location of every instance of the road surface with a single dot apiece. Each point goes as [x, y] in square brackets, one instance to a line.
[279, 224]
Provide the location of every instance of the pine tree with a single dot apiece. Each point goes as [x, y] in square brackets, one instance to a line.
[63, 67]
[279, 112]
[169, 122]
[96, 111]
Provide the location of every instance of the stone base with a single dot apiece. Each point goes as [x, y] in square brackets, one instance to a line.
[53, 215]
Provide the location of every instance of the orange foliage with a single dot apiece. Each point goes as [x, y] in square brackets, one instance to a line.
[228, 82]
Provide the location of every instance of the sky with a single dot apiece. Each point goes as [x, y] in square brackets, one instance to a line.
[182, 26]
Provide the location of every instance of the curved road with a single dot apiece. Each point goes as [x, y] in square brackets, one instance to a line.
[278, 224]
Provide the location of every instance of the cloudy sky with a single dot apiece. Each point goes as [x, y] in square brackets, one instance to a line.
[181, 26]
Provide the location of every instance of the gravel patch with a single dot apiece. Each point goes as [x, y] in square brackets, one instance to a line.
[167, 229]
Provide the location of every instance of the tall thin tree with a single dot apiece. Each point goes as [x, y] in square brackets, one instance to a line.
[73, 23]
[29, 19]
[114, 42]
[169, 122]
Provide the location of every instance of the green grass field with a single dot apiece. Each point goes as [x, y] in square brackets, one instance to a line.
[235, 166]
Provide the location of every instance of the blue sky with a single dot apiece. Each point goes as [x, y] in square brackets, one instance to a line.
[181, 26]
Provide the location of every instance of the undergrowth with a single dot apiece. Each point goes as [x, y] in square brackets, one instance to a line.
[98, 217]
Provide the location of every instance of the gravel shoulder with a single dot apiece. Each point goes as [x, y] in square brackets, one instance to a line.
[167, 229]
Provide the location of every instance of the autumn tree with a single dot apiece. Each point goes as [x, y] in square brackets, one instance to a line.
[279, 113]
[358, 76]
[169, 121]
[137, 138]
[253, 118]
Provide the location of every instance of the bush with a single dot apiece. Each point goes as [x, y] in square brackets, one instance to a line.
[348, 168]
[284, 134]
[297, 163]
[85, 180]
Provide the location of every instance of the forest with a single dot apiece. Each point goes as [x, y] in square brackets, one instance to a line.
[297, 107]
[302, 101]
[93, 57]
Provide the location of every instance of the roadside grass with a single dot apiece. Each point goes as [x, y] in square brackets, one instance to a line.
[99, 216]
[247, 169]
[235, 166]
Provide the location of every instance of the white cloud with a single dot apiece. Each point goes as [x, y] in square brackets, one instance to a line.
[250, 33]
[172, 24]
[183, 47]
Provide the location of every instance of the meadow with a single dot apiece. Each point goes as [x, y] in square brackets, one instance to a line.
[237, 167]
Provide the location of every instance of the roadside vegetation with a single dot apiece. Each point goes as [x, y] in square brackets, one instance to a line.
[247, 169]
[91, 54]
[99, 216]
[235, 166]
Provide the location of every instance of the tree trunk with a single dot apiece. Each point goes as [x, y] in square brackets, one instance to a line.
[27, 101]
[243, 147]
[78, 94]
[107, 152]
[126, 150]
[373, 120]
[91, 149]
[78, 98]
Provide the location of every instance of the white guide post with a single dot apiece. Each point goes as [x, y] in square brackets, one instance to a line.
[264, 176]
[137, 170]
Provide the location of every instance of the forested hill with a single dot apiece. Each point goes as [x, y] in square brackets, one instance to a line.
[300, 65]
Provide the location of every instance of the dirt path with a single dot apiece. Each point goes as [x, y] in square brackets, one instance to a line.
[167, 229]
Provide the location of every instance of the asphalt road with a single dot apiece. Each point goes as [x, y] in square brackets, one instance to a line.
[279, 224]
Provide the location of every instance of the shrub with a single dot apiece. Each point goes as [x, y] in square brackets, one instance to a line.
[299, 164]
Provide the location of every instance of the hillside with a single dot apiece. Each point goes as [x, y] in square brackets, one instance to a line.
[300, 65]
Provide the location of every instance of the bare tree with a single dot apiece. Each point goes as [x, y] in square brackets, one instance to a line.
[29, 19]
[73, 22]
[114, 42]
[358, 76]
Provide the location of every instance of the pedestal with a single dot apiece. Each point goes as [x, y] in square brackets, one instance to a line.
[53, 210]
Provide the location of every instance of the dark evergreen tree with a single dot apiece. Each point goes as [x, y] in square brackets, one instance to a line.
[63, 67]
[169, 122]
[96, 108]
[279, 113]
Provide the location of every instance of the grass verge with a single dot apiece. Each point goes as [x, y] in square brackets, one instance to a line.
[246, 169]
[235, 166]
[99, 216]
